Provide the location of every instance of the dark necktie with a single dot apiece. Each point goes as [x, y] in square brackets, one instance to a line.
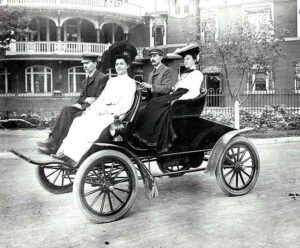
[153, 75]
[188, 70]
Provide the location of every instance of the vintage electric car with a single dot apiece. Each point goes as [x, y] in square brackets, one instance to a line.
[105, 183]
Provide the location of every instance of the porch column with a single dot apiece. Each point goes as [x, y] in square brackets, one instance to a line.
[65, 31]
[98, 35]
[6, 80]
[38, 29]
[78, 30]
[45, 80]
[58, 33]
[47, 30]
[298, 18]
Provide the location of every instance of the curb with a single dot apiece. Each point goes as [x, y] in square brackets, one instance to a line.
[7, 155]
[275, 140]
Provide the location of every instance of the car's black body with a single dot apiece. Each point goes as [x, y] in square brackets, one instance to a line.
[109, 175]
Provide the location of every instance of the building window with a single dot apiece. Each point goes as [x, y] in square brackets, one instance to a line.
[177, 10]
[186, 9]
[297, 78]
[258, 16]
[158, 33]
[3, 80]
[75, 76]
[260, 80]
[208, 25]
[38, 79]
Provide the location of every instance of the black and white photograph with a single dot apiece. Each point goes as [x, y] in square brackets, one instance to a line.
[150, 123]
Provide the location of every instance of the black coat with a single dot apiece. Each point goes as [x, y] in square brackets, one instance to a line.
[92, 87]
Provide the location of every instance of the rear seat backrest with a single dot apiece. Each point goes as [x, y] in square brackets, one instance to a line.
[190, 107]
[129, 116]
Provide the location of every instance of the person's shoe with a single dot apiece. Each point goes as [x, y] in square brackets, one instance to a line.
[49, 142]
[45, 150]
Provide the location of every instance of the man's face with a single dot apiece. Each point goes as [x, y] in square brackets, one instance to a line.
[155, 59]
[89, 66]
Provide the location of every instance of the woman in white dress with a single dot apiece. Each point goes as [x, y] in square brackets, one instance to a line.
[116, 99]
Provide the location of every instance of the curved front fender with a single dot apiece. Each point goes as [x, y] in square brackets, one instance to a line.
[218, 148]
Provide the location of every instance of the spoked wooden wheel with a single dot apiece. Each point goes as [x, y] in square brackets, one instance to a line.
[105, 186]
[55, 178]
[238, 167]
[174, 164]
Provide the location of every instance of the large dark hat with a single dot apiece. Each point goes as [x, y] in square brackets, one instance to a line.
[120, 49]
[156, 51]
[87, 57]
[192, 49]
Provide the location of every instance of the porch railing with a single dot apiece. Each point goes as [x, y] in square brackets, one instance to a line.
[55, 47]
[60, 48]
[121, 6]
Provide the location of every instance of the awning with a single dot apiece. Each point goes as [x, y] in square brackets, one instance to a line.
[211, 70]
[173, 56]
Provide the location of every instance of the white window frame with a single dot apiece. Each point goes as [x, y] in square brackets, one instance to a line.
[5, 73]
[297, 76]
[269, 81]
[72, 71]
[29, 71]
[258, 6]
[206, 14]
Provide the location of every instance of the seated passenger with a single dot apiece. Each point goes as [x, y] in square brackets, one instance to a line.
[116, 99]
[155, 129]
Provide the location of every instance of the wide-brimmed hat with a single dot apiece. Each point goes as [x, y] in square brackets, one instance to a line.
[87, 57]
[156, 51]
[192, 49]
[120, 49]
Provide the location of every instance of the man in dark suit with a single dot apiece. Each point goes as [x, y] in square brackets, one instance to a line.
[93, 86]
[160, 79]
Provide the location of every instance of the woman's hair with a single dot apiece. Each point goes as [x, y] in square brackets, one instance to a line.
[124, 56]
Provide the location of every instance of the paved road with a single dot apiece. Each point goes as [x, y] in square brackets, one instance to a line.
[191, 211]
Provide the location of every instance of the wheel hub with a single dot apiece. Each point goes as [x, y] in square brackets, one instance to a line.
[108, 187]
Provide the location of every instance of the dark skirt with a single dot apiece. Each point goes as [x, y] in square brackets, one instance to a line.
[154, 127]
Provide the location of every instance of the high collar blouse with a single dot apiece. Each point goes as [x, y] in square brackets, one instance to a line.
[117, 97]
[192, 82]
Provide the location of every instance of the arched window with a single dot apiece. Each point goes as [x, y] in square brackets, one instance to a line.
[38, 79]
[3, 80]
[75, 76]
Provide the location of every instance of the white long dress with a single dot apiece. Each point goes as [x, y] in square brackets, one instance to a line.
[116, 99]
[192, 82]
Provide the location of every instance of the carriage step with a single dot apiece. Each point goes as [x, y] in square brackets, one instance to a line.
[37, 158]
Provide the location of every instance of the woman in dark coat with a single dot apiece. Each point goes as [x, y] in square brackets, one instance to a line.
[154, 127]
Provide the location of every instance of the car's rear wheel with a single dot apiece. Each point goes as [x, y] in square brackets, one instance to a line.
[55, 178]
[238, 167]
[173, 164]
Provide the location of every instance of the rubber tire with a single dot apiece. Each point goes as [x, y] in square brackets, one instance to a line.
[79, 183]
[219, 174]
[47, 185]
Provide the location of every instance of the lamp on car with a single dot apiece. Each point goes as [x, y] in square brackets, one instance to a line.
[116, 127]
